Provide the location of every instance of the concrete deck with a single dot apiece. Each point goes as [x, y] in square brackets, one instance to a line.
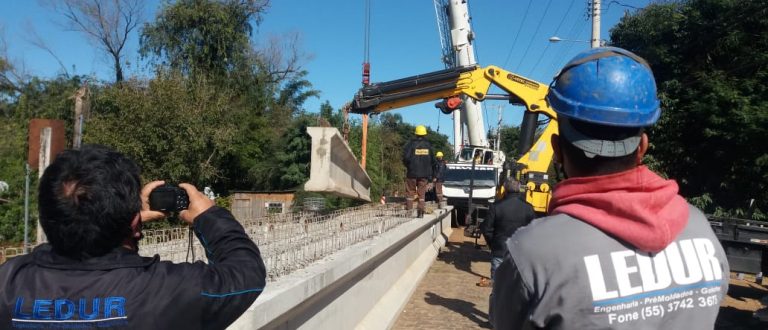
[447, 297]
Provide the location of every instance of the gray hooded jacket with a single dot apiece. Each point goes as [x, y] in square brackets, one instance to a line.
[563, 273]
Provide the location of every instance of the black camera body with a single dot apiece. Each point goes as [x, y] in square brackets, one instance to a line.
[168, 198]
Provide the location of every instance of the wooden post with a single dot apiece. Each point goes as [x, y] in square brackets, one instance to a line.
[44, 161]
[81, 109]
[364, 143]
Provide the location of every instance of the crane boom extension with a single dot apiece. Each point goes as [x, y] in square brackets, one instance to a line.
[472, 81]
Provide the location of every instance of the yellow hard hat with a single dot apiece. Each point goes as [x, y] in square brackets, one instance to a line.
[421, 130]
[439, 154]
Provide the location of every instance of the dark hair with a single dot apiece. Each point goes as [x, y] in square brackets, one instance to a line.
[599, 165]
[512, 186]
[87, 199]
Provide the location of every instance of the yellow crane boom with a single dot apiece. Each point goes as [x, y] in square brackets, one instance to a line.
[535, 157]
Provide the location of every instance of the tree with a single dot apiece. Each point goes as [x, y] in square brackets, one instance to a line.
[710, 59]
[176, 129]
[106, 23]
[203, 37]
[510, 140]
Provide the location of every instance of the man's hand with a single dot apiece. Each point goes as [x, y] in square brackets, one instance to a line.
[147, 214]
[198, 203]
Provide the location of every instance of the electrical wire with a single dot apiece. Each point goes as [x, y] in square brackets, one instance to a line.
[367, 32]
[559, 57]
[557, 31]
[519, 28]
[533, 37]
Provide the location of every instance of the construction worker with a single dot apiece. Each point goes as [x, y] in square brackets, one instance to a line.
[505, 216]
[439, 176]
[419, 160]
[620, 247]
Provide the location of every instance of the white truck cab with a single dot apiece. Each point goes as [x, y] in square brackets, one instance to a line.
[456, 188]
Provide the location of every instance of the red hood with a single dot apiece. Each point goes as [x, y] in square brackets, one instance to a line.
[636, 206]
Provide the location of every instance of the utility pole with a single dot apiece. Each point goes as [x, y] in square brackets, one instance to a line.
[595, 42]
[499, 109]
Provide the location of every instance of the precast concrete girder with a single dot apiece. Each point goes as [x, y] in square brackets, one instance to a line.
[334, 168]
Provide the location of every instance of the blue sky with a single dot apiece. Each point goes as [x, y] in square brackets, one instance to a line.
[404, 41]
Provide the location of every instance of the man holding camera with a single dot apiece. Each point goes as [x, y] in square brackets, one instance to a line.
[90, 275]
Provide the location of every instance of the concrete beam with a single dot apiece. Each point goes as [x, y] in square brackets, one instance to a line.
[334, 168]
[364, 286]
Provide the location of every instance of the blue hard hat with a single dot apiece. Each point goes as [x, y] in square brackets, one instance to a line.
[607, 86]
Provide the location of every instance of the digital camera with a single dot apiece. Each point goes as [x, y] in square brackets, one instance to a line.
[168, 198]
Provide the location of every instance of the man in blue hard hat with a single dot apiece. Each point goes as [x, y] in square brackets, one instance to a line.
[620, 247]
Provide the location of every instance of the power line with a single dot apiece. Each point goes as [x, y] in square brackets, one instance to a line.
[557, 30]
[514, 41]
[565, 48]
[533, 37]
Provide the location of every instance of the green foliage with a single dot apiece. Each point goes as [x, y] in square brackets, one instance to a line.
[710, 59]
[203, 37]
[216, 112]
[12, 163]
[177, 129]
[36, 98]
[510, 140]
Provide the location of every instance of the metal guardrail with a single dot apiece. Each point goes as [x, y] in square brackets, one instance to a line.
[287, 242]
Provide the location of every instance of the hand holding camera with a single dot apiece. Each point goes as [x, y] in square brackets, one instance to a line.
[167, 198]
[159, 199]
[198, 203]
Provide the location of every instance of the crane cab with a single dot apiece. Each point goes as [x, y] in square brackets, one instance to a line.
[481, 156]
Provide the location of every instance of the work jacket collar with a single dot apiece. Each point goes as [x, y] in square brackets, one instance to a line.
[120, 257]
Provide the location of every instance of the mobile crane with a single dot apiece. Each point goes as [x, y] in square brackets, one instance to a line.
[450, 85]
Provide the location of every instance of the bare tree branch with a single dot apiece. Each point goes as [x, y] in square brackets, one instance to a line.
[107, 23]
[282, 56]
[36, 40]
[11, 77]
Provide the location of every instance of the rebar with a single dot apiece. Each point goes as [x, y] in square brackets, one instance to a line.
[287, 241]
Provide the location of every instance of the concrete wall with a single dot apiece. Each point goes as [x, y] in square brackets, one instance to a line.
[364, 286]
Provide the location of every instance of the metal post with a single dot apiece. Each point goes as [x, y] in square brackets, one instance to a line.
[26, 207]
[595, 42]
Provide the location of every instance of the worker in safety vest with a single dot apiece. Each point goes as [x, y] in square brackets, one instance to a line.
[620, 248]
[439, 176]
[419, 160]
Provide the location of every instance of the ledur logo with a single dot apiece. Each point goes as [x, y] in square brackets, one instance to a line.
[696, 263]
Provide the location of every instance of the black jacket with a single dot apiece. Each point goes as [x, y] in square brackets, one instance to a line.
[440, 169]
[124, 290]
[504, 218]
[419, 158]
